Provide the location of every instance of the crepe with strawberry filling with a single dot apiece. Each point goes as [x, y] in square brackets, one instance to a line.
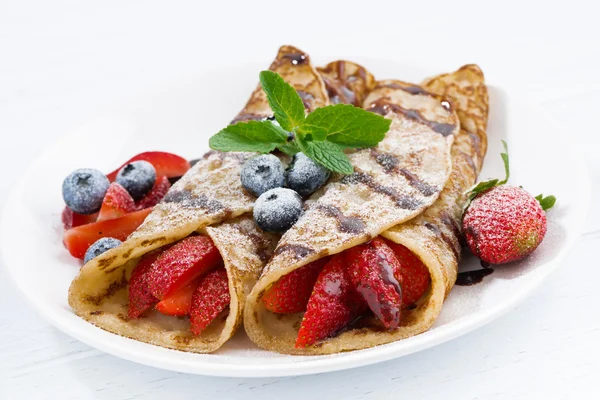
[354, 272]
[181, 279]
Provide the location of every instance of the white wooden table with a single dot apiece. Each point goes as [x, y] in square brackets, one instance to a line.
[61, 61]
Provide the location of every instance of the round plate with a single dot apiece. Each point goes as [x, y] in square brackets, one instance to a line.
[180, 118]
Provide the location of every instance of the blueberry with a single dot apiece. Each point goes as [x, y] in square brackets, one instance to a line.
[277, 209]
[100, 246]
[137, 177]
[84, 190]
[262, 173]
[306, 176]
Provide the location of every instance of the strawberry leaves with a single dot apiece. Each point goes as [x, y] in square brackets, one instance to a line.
[322, 135]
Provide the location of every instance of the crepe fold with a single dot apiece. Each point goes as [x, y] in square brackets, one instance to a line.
[393, 183]
[209, 199]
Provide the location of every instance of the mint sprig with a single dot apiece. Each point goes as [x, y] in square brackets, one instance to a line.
[322, 135]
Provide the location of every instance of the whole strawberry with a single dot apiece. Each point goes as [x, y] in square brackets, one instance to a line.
[504, 223]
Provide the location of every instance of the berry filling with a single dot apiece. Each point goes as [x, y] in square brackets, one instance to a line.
[380, 279]
[184, 279]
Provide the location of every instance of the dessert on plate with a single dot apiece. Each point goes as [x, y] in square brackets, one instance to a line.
[328, 217]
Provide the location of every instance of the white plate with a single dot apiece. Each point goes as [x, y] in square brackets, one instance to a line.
[180, 118]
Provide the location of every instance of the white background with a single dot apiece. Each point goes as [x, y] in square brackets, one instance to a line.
[61, 62]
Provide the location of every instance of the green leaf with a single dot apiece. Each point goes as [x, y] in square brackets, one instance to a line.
[283, 99]
[481, 187]
[329, 155]
[546, 202]
[290, 149]
[506, 164]
[259, 136]
[346, 125]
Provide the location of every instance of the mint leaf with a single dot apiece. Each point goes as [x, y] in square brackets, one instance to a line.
[290, 149]
[329, 155]
[546, 202]
[346, 125]
[312, 132]
[259, 136]
[283, 99]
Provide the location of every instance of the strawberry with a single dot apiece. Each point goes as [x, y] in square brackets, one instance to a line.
[371, 269]
[181, 264]
[332, 305]
[178, 303]
[71, 219]
[291, 292]
[77, 240]
[160, 189]
[413, 275]
[166, 164]
[504, 223]
[117, 202]
[140, 298]
[209, 299]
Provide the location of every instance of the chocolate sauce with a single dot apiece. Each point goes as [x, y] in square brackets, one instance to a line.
[438, 232]
[383, 106]
[402, 201]
[297, 250]
[386, 160]
[423, 187]
[296, 58]
[345, 224]
[469, 278]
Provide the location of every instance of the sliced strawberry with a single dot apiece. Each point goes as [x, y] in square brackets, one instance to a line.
[209, 299]
[71, 219]
[371, 269]
[77, 240]
[181, 264]
[140, 298]
[117, 202]
[160, 189]
[166, 164]
[333, 304]
[178, 303]
[413, 275]
[291, 292]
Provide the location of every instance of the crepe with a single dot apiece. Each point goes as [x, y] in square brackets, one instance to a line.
[208, 194]
[393, 183]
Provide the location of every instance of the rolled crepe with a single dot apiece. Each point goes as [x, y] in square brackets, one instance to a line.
[393, 183]
[209, 194]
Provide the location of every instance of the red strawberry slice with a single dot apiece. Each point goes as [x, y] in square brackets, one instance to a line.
[413, 275]
[371, 269]
[117, 202]
[140, 298]
[178, 303]
[71, 219]
[333, 304]
[181, 264]
[78, 239]
[166, 164]
[160, 189]
[211, 297]
[291, 292]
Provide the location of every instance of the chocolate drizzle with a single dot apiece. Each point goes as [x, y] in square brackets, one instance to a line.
[401, 201]
[438, 232]
[469, 278]
[296, 58]
[345, 224]
[390, 164]
[187, 199]
[297, 250]
[383, 106]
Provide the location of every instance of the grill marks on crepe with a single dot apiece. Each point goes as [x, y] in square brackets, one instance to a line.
[346, 82]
